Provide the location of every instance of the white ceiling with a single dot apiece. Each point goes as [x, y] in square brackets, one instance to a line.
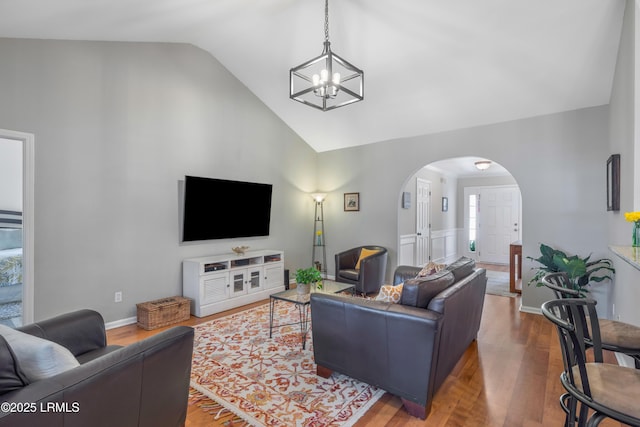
[430, 65]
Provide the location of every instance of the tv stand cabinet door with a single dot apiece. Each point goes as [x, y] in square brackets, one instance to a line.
[273, 275]
[214, 288]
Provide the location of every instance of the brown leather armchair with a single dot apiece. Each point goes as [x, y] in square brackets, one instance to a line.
[370, 276]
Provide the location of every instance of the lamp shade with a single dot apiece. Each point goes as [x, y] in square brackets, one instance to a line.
[319, 197]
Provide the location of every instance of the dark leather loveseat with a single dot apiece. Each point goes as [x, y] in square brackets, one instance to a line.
[142, 384]
[407, 349]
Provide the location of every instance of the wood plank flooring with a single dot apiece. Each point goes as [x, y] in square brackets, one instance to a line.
[508, 377]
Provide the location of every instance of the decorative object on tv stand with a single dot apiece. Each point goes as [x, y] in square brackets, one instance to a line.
[307, 277]
[634, 217]
[240, 250]
[483, 164]
[326, 81]
[351, 202]
[319, 241]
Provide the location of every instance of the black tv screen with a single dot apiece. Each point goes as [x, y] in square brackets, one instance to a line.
[223, 209]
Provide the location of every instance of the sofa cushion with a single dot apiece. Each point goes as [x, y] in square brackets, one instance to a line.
[11, 376]
[430, 268]
[350, 274]
[389, 293]
[419, 291]
[38, 358]
[364, 252]
[462, 267]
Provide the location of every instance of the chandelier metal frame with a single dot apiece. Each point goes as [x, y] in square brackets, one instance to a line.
[328, 88]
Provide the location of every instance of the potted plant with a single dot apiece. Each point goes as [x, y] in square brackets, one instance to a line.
[305, 277]
[581, 271]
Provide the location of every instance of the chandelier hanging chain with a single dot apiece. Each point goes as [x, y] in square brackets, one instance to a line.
[326, 20]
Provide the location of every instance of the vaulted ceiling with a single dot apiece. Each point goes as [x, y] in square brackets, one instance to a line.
[430, 65]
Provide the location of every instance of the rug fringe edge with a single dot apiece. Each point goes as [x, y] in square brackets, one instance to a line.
[246, 417]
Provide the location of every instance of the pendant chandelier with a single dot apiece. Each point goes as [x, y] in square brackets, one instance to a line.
[327, 81]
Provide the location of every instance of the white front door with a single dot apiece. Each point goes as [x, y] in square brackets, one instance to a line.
[423, 221]
[499, 223]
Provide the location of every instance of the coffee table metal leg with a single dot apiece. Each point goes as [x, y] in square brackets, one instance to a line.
[271, 303]
[304, 323]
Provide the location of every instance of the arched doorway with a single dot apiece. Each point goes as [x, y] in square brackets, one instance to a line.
[472, 212]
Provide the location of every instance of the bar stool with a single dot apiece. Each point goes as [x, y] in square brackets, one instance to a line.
[612, 391]
[615, 336]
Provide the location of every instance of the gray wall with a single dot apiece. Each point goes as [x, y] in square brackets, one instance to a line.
[622, 139]
[557, 161]
[117, 126]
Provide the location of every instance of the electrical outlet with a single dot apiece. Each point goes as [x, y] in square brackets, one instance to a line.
[118, 296]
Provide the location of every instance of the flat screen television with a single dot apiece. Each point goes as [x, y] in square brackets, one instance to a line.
[223, 209]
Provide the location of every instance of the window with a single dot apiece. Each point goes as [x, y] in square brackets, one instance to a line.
[473, 221]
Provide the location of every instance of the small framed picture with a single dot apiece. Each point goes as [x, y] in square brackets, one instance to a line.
[445, 204]
[406, 200]
[351, 202]
[613, 183]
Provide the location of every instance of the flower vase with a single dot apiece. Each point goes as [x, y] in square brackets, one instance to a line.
[636, 234]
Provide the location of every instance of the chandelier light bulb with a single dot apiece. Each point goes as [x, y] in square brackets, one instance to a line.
[324, 76]
[336, 78]
[316, 79]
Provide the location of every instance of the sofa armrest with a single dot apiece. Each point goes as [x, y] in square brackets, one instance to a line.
[79, 331]
[404, 272]
[387, 345]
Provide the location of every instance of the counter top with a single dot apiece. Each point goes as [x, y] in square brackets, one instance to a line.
[629, 254]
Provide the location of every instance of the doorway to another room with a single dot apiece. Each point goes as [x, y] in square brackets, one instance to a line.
[16, 228]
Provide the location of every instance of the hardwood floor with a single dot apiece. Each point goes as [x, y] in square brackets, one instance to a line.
[508, 377]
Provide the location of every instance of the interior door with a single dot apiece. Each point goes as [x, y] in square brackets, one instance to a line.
[423, 221]
[498, 223]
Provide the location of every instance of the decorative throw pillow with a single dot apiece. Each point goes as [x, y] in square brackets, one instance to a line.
[389, 293]
[11, 376]
[431, 268]
[38, 358]
[364, 252]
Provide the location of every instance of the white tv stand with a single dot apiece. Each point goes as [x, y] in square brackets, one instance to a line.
[220, 282]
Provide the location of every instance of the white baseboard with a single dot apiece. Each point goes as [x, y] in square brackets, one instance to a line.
[532, 310]
[121, 322]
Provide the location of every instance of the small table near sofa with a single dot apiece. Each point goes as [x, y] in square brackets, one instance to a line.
[302, 302]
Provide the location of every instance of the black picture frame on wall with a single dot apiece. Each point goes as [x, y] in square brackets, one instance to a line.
[613, 183]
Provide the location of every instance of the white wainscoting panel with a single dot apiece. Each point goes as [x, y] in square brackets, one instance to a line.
[407, 249]
[444, 245]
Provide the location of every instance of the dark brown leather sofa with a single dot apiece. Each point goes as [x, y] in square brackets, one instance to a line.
[371, 274]
[145, 384]
[407, 349]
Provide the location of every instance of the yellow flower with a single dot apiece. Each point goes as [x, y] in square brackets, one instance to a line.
[319, 232]
[632, 216]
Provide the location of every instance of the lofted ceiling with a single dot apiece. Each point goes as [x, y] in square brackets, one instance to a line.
[430, 65]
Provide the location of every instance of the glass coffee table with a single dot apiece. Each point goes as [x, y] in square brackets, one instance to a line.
[303, 304]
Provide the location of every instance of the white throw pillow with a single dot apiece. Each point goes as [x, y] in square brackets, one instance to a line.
[38, 358]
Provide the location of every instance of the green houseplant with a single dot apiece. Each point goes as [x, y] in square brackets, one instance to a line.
[581, 271]
[305, 277]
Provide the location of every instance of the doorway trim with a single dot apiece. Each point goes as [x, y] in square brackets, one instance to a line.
[28, 191]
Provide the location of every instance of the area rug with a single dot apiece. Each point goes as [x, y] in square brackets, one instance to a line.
[272, 381]
[498, 284]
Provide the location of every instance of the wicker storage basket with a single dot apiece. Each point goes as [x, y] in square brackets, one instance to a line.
[163, 312]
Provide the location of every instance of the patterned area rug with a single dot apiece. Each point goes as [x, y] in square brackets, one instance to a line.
[272, 381]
